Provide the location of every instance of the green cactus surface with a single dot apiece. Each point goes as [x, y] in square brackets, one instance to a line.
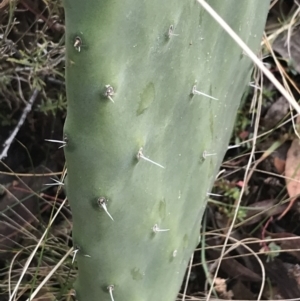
[134, 70]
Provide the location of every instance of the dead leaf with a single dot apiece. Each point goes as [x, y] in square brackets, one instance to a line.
[294, 272]
[235, 269]
[19, 208]
[275, 162]
[292, 173]
[241, 291]
[279, 156]
[279, 164]
[291, 50]
[276, 112]
[278, 274]
[272, 181]
[260, 210]
[244, 135]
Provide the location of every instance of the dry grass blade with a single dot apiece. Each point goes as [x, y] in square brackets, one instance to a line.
[188, 277]
[34, 252]
[4, 3]
[49, 275]
[11, 138]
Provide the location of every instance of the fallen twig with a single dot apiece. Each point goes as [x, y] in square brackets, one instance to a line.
[12, 136]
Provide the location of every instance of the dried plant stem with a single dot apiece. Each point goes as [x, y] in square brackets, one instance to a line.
[12, 136]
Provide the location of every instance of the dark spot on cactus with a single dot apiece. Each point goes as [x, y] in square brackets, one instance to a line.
[211, 163]
[211, 122]
[185, 241]
[241, 56]
[201, 16]
[136, 274]
[210, 89]
[162, 209]
[147, 96]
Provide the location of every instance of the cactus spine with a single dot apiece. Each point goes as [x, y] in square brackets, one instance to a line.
[153, 88]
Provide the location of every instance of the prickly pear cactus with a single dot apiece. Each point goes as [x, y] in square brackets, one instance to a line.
[153, 88]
